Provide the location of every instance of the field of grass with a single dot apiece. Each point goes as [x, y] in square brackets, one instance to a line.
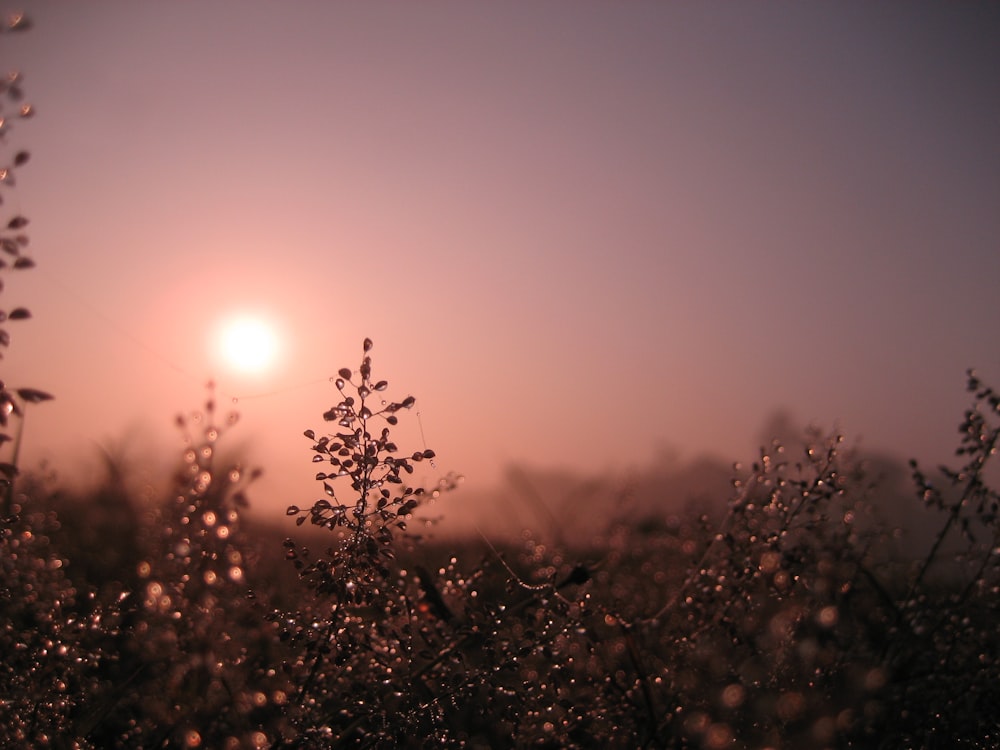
[793, 620]
[790, 618]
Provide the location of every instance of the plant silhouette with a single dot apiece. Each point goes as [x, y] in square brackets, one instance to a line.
[799, 619]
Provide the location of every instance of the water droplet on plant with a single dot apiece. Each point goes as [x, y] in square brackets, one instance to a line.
[828, 616]
[204, 479]
[733, 695]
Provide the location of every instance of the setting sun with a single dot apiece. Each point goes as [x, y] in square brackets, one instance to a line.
[247, 343]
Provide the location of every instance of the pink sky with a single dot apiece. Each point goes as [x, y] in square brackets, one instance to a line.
[578, 233]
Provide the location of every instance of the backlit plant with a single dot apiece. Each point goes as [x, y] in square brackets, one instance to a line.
[46, 671]
[798, 620]
[354, 633]
[362, 455]
[13, 241]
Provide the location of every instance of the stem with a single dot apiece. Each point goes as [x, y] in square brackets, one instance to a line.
[643, 679]
[973, 482]
[317, 662]
[938, 541]
[8, 497]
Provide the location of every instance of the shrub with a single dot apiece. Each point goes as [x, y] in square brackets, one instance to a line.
[796, 622]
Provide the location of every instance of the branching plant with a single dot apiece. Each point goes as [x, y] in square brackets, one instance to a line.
[13, 241]
[361, 454]
[354, 632]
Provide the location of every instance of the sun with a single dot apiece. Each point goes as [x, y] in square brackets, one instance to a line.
[248, 343]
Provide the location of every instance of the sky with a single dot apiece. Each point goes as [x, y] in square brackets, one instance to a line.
[583, 235]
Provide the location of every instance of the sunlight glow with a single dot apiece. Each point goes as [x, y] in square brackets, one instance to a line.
[248, 343]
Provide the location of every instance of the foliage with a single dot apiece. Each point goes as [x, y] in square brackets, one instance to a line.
[193, 645]
[13, 240]
[354, 641]
[797, 621]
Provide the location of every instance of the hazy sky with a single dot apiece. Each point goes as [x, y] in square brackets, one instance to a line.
[579, 233]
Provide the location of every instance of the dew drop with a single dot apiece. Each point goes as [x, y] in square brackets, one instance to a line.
[828, 616]
[733, 695]
[204, 479]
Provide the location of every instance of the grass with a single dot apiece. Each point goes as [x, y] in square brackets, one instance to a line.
[795, 621]
[790, 619]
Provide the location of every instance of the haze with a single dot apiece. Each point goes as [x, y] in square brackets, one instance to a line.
[581, 234]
